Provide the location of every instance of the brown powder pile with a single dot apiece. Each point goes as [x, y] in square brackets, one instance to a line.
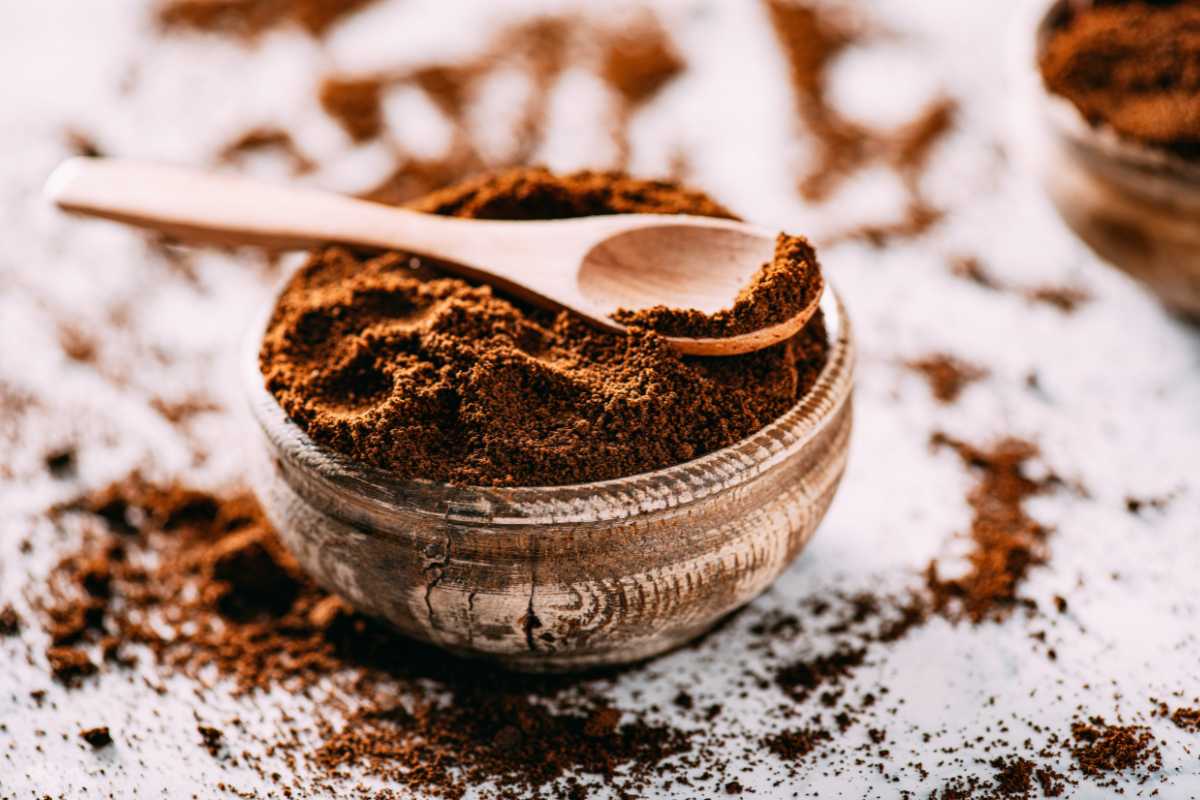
[1099, 748]
[248, 19]
[1006, 541]
[947, 375]
[790, 283]
[434, 378]
[1132, 65]
[202, 585]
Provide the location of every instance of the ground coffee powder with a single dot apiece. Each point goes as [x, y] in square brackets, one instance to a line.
[430, 377]
[1132, 65]
[776, 293]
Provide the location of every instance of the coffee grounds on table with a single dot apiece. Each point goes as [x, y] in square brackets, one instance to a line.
[1134, 66]
[947, 375]
[10, 621]
[777, 292]
[1100, 748]
[356, 104]
[96, 737]
[812, 37]
[248, 19]
[186, 585]
[431, 377]
[1006, 541]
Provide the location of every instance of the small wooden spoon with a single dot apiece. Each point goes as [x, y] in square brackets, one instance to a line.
[590, 265]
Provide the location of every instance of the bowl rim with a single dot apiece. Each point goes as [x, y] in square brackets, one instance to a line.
[323, 470]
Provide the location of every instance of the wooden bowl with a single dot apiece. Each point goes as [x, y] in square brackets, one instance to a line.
[1136, 206]
[565, 577]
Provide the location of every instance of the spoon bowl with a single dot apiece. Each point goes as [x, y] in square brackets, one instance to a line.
[592, 266]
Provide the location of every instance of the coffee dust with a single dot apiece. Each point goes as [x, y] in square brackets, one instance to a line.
[356, 104]
[1100, 748]
[10, 621]
[776, 293]
[249, 19]
[97, 737]
[1064, 298]
[1134, 66]
[947, 375]
[431, 377]
[812, 38]
[639, 60]
[1006, 541]
[186, 584]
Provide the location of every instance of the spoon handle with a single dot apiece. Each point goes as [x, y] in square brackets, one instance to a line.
[231, 210]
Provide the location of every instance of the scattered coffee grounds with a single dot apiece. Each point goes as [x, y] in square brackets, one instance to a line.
[1131, 65]
[69, 665]
[266, 140]
[248, 19]
[212, 738]
[1067, 299]
[434, 378]
[517, 742]
[1015, 778]
[76, 344]
[1136, 505]
[779, 291]
[799, 680]
[97, 737]
[1100, 748]
[1187, 718]
[204, 585]
[60, 463]
[1006, 541]
[82, 144]
[10, 621]
[947, 375]
[812, 38]
[635, 60]
[355, 104]
[796, 743]
[638, 61]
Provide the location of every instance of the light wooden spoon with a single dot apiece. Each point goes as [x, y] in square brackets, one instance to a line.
[590, 265]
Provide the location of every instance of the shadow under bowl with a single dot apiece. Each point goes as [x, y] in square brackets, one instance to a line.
[560, 578]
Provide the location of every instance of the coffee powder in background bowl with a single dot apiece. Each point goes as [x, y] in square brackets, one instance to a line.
[1112, 92]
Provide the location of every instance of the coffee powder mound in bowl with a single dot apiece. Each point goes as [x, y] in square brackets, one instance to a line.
[510, 483]
[433, 377]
